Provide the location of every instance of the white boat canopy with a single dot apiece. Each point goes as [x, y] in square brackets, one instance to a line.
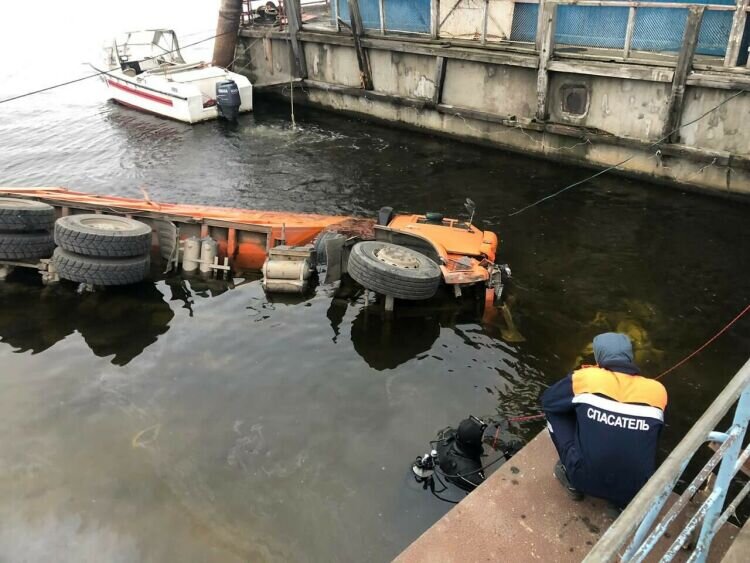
[155, 46]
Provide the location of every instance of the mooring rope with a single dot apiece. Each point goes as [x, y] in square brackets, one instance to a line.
[614, 166]
[526, 418]
[706, 344]
[101, 72]
[683, 361]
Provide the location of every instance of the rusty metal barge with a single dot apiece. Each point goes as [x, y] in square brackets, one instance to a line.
[655, 90]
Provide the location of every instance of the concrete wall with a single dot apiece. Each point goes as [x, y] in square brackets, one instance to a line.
[503, 90]
[267, 60]
[726, 129]
[492, 98]
[402, 74]
[332, 63]
[626, 108]
[464, 19]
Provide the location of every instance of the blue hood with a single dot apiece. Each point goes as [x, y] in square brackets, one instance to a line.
[613, 350]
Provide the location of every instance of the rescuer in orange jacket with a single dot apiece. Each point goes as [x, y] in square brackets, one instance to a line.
[605, 421]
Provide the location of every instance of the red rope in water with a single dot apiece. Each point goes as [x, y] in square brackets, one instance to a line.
[709, 341]
[662, 374]
[525, 418]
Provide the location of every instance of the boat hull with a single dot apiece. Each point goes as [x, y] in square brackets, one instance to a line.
[179, 104]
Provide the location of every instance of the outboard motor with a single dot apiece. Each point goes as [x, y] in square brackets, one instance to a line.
[228, 99]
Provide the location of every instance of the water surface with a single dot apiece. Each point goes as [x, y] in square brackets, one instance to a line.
[185, 420]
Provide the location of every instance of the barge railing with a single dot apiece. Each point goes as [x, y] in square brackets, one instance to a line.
[630, 102]
[653, 27]
[638, 524]
[649, 27]
[633, 29]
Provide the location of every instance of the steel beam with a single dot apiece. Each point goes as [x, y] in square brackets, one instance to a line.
[358, 31]
[683, 68]
[549, 19]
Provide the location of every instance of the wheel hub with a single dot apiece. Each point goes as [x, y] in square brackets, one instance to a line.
[106, 224]
[398, 257]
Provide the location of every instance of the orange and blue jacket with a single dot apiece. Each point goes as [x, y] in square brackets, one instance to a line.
[619, 417]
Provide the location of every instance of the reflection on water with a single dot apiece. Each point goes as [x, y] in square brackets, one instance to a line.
[224, 426]
[119, 322]
[192, 420]
[379, 337]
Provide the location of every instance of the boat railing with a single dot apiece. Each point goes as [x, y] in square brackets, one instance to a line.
[174, 68]
[638, 522]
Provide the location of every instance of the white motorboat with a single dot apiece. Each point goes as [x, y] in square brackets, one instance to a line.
[145, 70]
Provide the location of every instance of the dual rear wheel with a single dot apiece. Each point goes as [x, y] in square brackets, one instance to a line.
[25, 229]
[102, 249]
[91, 248]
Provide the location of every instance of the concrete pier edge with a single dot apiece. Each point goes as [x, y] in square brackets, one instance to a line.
[521, 513]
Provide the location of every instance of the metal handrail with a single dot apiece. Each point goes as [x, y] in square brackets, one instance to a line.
[644, 508]
[739, 9]
[637, 4]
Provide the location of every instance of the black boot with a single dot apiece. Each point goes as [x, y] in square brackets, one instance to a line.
[562, 476]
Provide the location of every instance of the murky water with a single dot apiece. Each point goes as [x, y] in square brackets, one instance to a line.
[182, 420]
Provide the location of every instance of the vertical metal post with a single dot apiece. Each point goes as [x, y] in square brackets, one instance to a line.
[336, 14]
[681, 71]
[440, 64]
[724, 478]
[651, 515]
[485, 16]
[435, 18]
[629, 33]
[357, 32]
[549, 20]
[735, 35]
[294, 17]
[539, 25]
[381, 13]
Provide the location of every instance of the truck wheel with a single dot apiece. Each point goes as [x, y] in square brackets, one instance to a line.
[25, 215]
[21, 246]
[100, 271]
[394, 270]
[321, 256]
[103, 236]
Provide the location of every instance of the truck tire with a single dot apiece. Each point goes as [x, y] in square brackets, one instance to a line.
[25, 215]
[22, 246]
[321, 256]
[103, 236]
[100, 271]
[394, 270]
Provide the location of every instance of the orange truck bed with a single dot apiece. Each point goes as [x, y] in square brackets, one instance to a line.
[243, 235]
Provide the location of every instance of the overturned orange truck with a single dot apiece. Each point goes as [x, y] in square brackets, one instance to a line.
[400, 256]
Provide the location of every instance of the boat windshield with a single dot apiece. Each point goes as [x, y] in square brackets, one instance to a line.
[157, 45]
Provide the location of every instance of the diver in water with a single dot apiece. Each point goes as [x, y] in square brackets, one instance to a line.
[460, 454]
[605, 421]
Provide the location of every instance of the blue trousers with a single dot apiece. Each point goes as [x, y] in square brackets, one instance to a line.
[562, 430]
